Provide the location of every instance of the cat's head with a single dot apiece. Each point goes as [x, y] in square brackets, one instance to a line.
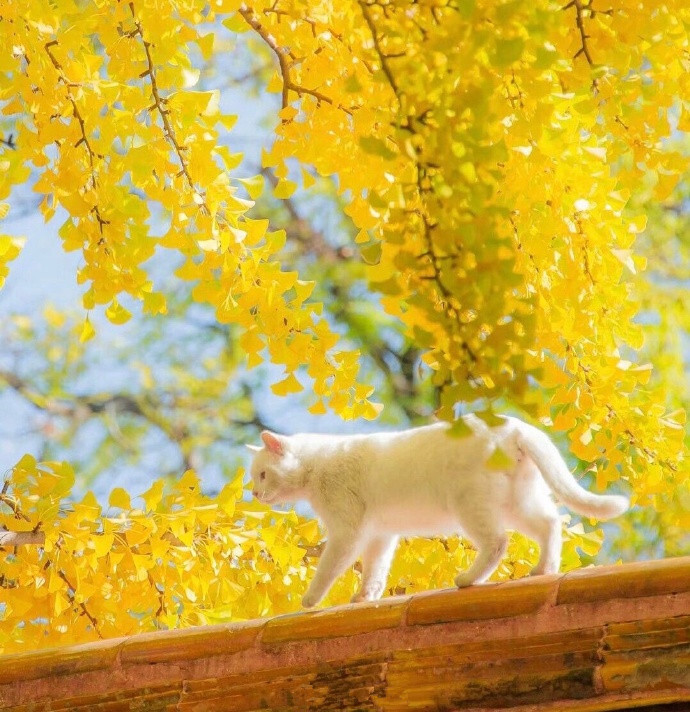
[276, 470]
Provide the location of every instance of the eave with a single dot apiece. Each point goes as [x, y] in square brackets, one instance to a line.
[603, 638]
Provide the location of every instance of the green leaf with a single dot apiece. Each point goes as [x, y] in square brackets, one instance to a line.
[508, 51]
[460, 429]
[390, 286]
[500, 460]
[352, 84]
[371, 254]
[376, 147]
[236, 23]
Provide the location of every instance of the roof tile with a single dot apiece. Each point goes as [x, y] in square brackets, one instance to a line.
[635, 580]
[593, 640]
[333, 622]
[493, 600]
[192, 643]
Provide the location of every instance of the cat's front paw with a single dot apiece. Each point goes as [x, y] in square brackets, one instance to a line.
[370, 593]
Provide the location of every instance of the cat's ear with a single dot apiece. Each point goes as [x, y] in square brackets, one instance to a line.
[253, 448]
[273, 442]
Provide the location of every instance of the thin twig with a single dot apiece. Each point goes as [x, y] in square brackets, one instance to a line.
[12, 504]
[254, 23]
[579, 19]
[82, 127]
[82, 605]
[288, 84]
[430, 253]
[383, 59]
[159, 101]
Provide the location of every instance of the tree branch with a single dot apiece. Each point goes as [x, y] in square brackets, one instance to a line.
[95, 405]
[158, 104]
[8, 538]
[288, 84]
[422, 167]
[383, 59]
[254, 23]
[579, 19]
[80, 407]
[82, 128]
[84, 609]
[306, 234]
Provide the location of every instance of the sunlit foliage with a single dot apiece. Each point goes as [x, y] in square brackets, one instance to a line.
[496, 162]
[175, 558]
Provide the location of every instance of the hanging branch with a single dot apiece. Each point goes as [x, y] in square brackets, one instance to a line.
[579, 19]
[84, 139]
[383, 58]
[288, 83]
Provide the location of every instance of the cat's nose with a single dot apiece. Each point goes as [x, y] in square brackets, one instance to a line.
[255, 493]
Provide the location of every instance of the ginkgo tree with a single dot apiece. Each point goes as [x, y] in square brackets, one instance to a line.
[496, 162]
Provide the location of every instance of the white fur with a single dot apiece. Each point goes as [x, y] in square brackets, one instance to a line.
[370, 489]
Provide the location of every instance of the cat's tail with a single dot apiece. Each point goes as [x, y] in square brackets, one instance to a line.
[561, 482]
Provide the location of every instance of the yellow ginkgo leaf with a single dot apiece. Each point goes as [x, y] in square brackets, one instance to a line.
[120, 498]
[153, 495]
[284, 188]
[117, 314]
[290, 384]
[87, 331]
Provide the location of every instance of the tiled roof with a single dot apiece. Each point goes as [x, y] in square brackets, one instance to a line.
[605, 638]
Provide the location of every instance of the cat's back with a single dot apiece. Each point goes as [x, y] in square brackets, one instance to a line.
[412, 438]
[419, 447]
[435, 447]
[407, 437]
[409, 447]
[382, 440]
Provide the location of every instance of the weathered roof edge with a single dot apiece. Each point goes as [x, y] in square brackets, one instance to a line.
[588, 640]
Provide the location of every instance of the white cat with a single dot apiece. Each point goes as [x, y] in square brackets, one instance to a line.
[370, 489]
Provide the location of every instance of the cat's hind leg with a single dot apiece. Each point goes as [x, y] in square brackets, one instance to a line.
[544, 526]
[534, 513]
[340, 551]
[376, 562]
[550, 540]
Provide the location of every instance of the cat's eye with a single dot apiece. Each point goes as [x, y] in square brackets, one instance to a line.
[262, 476]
